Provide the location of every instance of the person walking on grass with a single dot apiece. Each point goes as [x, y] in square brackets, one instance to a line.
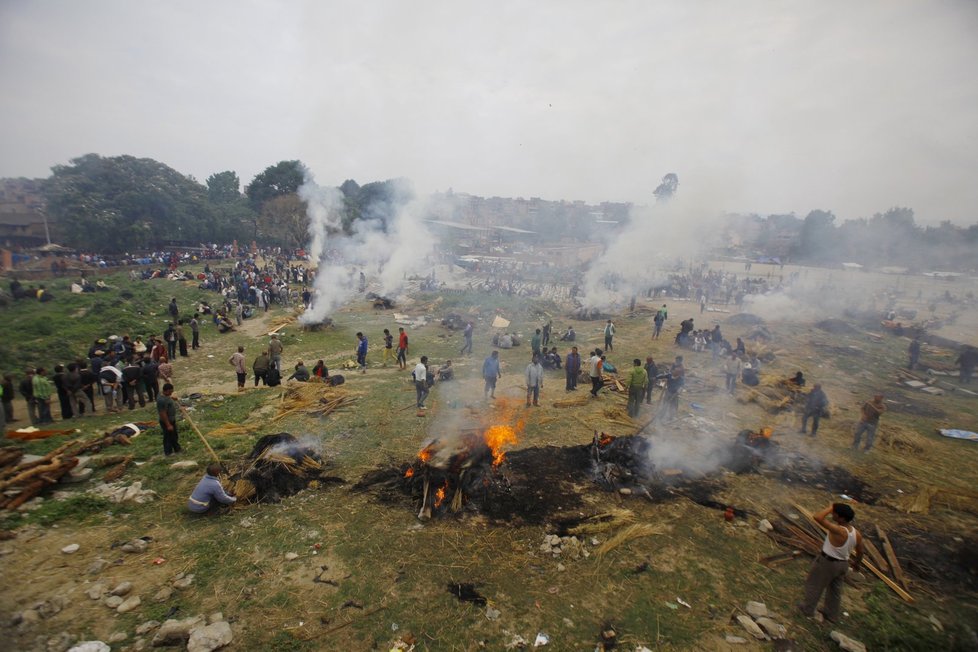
[362, 352]
[594, 372]
[260, 366]
[828, 571]
[402, 348]
[731, 370]
[467, 335]
[869, 422]
[651, 371]
[195, 332]
[275, 351]
[638, 380]
[166, 408]
[572, 369]
[237, 360]
[420, 375]
[815, 403]
[534, 380]
[609, 336]
[388, 345]
[491, 373]
[535, 342]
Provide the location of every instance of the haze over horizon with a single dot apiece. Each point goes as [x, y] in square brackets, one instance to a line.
[757, 106]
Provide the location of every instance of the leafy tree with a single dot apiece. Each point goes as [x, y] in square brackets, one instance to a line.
[283, 221]
[376, 202]
[121, 203]
[818, 237]
[283, 178]
[224, 187]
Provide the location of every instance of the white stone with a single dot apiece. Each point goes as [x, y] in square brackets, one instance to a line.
[91, 646]
[163, 594]
[70, 549]
[561, 567]
[184, 582]
[747, 623]
[113, 601]
[122, 588]
[291, 556]
[147, 627]
[215, 617]
[176, 631]
[118, 637]
[773, 629]
[97, 566]
[735, 640]
[184, 464]
[135, 546]
[77, 475]
[846, 643]
[756, 609]
[129, 604]
[209, 637]
[96, 591]
[765, 525]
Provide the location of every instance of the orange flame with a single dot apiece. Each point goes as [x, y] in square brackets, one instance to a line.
[409, 473]
[605, 439]
[440, 494]
[425, 454]
[496, 437]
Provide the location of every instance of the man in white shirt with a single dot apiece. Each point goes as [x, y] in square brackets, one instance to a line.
[420, 374]
[594, 372]
[534, 380]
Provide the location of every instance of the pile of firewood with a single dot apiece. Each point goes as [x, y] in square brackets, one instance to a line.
[314, 399]
[20, 481]
[804, 534]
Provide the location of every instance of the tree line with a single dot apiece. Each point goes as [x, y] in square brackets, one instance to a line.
[124, 203]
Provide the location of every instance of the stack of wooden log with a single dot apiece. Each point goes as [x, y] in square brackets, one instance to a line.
[773, 395]
[20, 481]
[314, 399]
[804, 534]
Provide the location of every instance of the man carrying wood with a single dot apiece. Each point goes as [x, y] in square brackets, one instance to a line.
[870, 421]
[830, 566]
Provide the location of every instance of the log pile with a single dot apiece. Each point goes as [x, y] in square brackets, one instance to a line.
[773, 396]
[20, 481]
[313, 399]
[806, 535]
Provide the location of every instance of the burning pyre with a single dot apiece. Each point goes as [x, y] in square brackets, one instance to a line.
[278, 466]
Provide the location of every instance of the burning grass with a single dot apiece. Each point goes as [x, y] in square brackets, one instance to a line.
[278, 466]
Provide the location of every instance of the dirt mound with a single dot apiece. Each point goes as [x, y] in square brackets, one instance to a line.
[837, 327]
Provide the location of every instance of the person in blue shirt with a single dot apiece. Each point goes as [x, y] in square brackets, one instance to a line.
[362, 352]
[209, 493]
[491, 373]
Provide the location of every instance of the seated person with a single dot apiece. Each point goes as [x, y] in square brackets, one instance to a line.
[750, 376]
[224, 325]
[320, 370]
[446, 371]
[569, 336]
[798, 379]
[301, 373]
[558, 361]
[209, 494]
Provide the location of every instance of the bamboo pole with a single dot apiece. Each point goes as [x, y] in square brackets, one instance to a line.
[193, 425]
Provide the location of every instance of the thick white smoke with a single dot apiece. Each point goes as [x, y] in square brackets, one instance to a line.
[386, 253]
[640, 254]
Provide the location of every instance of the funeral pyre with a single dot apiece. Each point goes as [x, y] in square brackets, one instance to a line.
[278, 466]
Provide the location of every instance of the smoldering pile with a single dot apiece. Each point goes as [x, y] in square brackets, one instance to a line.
[277, 467]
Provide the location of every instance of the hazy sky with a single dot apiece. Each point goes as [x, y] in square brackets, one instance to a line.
[757, 106]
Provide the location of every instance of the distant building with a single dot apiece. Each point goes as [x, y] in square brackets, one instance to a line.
[22, 214]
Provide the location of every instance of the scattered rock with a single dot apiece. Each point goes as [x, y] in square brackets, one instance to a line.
[5, 551]
[50, 607]
[247, 521]
[747, 623]
[184, 582]
[291, 556]
[97, 566]
[118, 637]
[561, 567]
[492, 614]
[215, 617]
[135, 546]
[77, 475]
[70, 549]
[96, 591]
[184, 464]
[765, 525]
[59, 643]
[113, 602]
[91, 646]
[176, 631]
[122, 589]
[147, 627]
[138, 645]
[116, 492]
[129, 604]
[756, 609]
[735, 640]
[163, 594]
[773, 629]
[846, 643]
[209, 637]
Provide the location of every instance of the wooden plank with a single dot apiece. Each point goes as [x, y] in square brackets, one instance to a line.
[892, 558]
[875, 555]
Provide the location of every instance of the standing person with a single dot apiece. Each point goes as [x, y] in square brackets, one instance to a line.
[170, 336]
[467, 335]
[164, 370]
[42, 396]
[547, 331]
[609, 336]
[967, 361]
[73, 387]
[914, 353]
[26, 388]
[638, 380]
[829, 569]
[491, 373]
[660, 317]
[237, 360]
[572, 369]
[731, 369]
[594, 372]
[64, 398]
[870, 421]
[110, 382]
[173, 309]
[195, 332]
[420, 375]
[362, 352]
[150, 372]
[402, 348]
[275, 351]
[651, 371]
[166, 408]
[388, 345]
[89, 380]
[534, 380]
[8, 398]
[181, 339]
[535, 342]
[260, 366]
[670, 398]
[132, 376]
[815, 404]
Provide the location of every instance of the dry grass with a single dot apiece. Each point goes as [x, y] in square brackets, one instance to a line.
[636, 531]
